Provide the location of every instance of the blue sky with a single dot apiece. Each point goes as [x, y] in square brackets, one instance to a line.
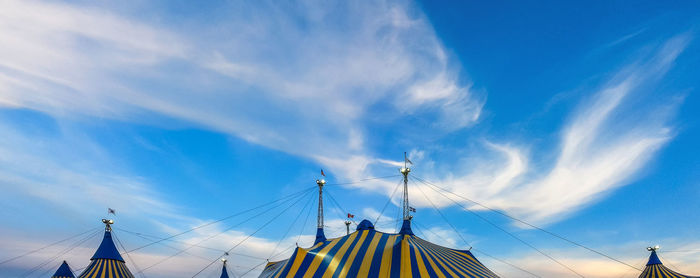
[581, 118]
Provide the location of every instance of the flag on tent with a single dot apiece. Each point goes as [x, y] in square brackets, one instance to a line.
[351, 215]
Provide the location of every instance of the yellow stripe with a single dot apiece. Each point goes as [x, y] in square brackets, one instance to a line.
[121, 269]
[418, 247]
[385, 267]
[85, 272]
[353, 253]
[367, 260]
[453, 261]
[111, 269]
[438, 258]
[419, 258]
[338, 256]
[301, 253]
[471, 265]
[318, 258]
[405, 257]
[104, 266]
[95, 269]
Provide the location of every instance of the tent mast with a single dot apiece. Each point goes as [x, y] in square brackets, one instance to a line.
[405, 170]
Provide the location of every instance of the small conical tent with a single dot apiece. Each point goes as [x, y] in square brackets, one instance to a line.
[655, 269]
[107, 262]
[63, 271]
[370, 253]
[224, 273]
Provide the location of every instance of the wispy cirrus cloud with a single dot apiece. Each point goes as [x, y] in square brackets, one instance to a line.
[330, 68]
[606, 141]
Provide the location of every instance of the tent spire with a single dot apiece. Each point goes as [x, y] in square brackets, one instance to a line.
[107, 249]
[224, 273]
[653, 258]
[63, 271]
[320, 236]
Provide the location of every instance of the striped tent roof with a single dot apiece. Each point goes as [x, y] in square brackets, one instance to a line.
[369, 253]
[655, 269]
[63, 271]
[107, 262]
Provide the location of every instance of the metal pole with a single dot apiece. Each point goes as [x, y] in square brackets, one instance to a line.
[320, 184]
[405, 170]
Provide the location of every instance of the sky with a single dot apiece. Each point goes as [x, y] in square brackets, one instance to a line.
[582, 119]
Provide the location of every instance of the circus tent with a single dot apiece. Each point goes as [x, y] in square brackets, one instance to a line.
[107, 262]
[370, 253]
[656, 269]
[63, 271]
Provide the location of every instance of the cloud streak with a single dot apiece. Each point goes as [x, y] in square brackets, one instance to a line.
[602, 147]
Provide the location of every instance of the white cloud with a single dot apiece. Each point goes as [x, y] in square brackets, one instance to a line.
[298, 80]
[604, 144]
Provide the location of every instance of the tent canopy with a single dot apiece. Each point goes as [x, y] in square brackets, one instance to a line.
[370, 253]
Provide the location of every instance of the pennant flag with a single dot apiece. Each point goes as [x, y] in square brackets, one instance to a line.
[351, 215]
[411, 209]
[409, 161]
[322, 174]
[111, 211]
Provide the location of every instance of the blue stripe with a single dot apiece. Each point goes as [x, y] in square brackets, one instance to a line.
[377, 259]
[451, 260]
[414, 261]
[343, 260]
[356, 264]
[328, 258]
[433, 256]
[308, 259]
[426, 257]
[396, 258]
[285, 269]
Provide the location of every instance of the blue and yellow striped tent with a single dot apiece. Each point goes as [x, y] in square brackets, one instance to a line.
[370, 253]
[63, 271]
[107, 262]
[655, 269]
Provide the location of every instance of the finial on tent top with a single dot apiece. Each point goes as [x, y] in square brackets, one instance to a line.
[321, 182]
[405, 170]
[223, 260]
[653, 248]
[107, 223]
